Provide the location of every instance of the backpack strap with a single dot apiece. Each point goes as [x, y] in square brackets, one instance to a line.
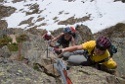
[104, 60]
[87, 55]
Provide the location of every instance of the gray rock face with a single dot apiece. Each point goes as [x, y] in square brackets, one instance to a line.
[84, 32]
[4, 52]
[89, 75]
[3, 28]
[14, 72]
[3, 25]
[34, 51]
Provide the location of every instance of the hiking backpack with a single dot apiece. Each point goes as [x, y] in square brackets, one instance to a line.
[112, 50]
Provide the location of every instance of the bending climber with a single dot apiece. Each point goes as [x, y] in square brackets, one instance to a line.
[64, 38]
[48, 36]
[97, 54]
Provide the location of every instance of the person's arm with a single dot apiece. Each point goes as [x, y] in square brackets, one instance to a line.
[43, 35]
[73, 41]
[72, 48]
[55, 38]
[52, 37]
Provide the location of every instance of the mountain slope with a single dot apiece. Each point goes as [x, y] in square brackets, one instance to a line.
[50, 15]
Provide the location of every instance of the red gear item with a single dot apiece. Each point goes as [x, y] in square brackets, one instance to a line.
[67, 78]
[47, 37]
[73, 29]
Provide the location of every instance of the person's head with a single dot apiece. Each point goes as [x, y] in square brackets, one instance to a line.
[48, 33]
[67, 30]
[102, 43]
[47, 36]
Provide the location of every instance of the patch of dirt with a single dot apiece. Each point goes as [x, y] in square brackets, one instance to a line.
[72, 20]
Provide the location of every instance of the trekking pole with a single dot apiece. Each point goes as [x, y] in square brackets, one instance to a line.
[48, 42]
[46, 50]
[61, 68]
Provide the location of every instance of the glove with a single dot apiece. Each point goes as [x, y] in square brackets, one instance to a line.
[57, 51]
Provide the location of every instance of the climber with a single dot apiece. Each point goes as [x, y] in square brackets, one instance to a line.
[64, 38]
[48, 36]
[97, 54]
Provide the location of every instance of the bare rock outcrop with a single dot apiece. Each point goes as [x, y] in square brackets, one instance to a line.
[34, 52]
[15, 72]
[6, 11]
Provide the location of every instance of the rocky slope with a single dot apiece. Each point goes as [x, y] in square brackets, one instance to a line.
[31, 51]
[15, 72]
[18, 61]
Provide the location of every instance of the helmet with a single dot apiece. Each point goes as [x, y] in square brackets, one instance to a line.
[73, 29]
[103, 43]
[48, 33]
[67, 30]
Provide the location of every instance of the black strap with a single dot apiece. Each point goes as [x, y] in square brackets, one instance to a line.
[104, 60]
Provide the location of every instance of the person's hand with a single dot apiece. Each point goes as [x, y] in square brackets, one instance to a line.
[58, 51]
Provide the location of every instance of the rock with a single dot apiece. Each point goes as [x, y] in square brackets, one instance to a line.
[89, 75]
[35, 52]
[6, 11]
[4, 52]
[52, 71]
[15, 72]
[13, 37]
[84, 32]
[3, 26]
